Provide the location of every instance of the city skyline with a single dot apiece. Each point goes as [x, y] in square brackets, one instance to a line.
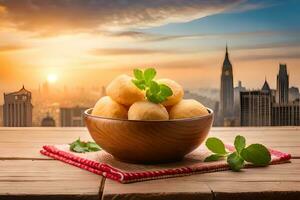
[78, 43]
[234, 106]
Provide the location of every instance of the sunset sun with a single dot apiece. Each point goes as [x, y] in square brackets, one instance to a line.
[52, 78]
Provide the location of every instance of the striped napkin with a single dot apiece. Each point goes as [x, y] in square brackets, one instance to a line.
[102, 163]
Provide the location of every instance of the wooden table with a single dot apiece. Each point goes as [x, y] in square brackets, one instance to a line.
[26, 174]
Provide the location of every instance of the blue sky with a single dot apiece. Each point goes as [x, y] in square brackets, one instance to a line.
[281, 19]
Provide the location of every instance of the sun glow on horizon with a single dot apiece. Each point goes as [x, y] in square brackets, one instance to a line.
[52, 78]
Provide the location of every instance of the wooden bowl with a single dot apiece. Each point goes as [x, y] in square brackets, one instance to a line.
[148, 142]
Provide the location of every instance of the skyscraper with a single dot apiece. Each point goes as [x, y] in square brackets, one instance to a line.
[17, 108]
[282, 95]
[72, 116]
[227, 94]
[256, 107]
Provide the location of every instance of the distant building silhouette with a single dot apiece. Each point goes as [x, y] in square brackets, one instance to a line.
[282, 95]
[237, 104]
[261, 108]
[256, 106]
[48, 121]
[17, 108]
[72, 116]
[293, 94]
[227, 93]
[286, 114]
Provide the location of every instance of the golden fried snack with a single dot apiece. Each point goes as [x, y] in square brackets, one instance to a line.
[106, 107]
[176, 89]
[145, 110]
[187, 108]
[123, 91]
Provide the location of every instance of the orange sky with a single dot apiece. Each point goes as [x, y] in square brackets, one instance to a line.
[83, 48]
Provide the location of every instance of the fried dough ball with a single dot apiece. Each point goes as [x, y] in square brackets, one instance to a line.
[107, 107]
[177, 92]
[123, 91]
[145, 110]
[187, 108]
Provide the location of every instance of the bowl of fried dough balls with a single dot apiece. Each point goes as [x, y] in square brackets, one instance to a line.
[145, 120]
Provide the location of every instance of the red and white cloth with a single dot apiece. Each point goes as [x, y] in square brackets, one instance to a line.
[104, 164]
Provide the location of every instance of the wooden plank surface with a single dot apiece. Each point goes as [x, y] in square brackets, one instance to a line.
[29, 178]
[25, 143]
[25, 174]
[173, 188]
[250, 184]
[284, 139]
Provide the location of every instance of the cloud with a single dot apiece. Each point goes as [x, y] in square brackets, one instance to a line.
[12, 47]
[48, 16]
[276, 56]
[126, 51]
[150, 37]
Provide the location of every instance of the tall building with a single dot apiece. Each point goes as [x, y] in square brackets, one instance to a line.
[17, 108]
[237, 104]
[227, 94]
[282, 95]
[286, 114]
[256, 106]
[72, 116]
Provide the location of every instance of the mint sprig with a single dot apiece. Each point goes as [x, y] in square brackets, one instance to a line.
[82, 147]
[155, 92]
[257, 154]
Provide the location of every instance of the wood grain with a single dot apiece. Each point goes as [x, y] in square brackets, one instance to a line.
[49, 179]
[25, 143]
[174, 188]
[255, 182]
[43, 178]
[149, 142]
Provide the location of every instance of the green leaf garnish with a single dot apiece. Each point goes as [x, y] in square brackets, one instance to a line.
[149, 74]
[239, 143]
[138, 74]
[216, 145]
[165, 90]
[213, 157]
[155, 92]
[235, 162]
[257, 154]
[82, 147]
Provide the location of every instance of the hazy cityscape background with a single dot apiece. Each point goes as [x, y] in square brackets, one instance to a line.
[64, 53]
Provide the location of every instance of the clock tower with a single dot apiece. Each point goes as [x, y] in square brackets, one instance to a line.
[227, 95]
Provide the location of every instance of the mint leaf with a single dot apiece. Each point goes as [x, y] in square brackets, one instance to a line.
[256, 154]
[149, 74]
[239, 143]
[165, 90]
[138, 74]
[236, 163]
[92, 146]
[139, 83]
[152, 97]
[82, 147]
[215, 145]
[154, 87]
[155, 92]
[213, 157]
